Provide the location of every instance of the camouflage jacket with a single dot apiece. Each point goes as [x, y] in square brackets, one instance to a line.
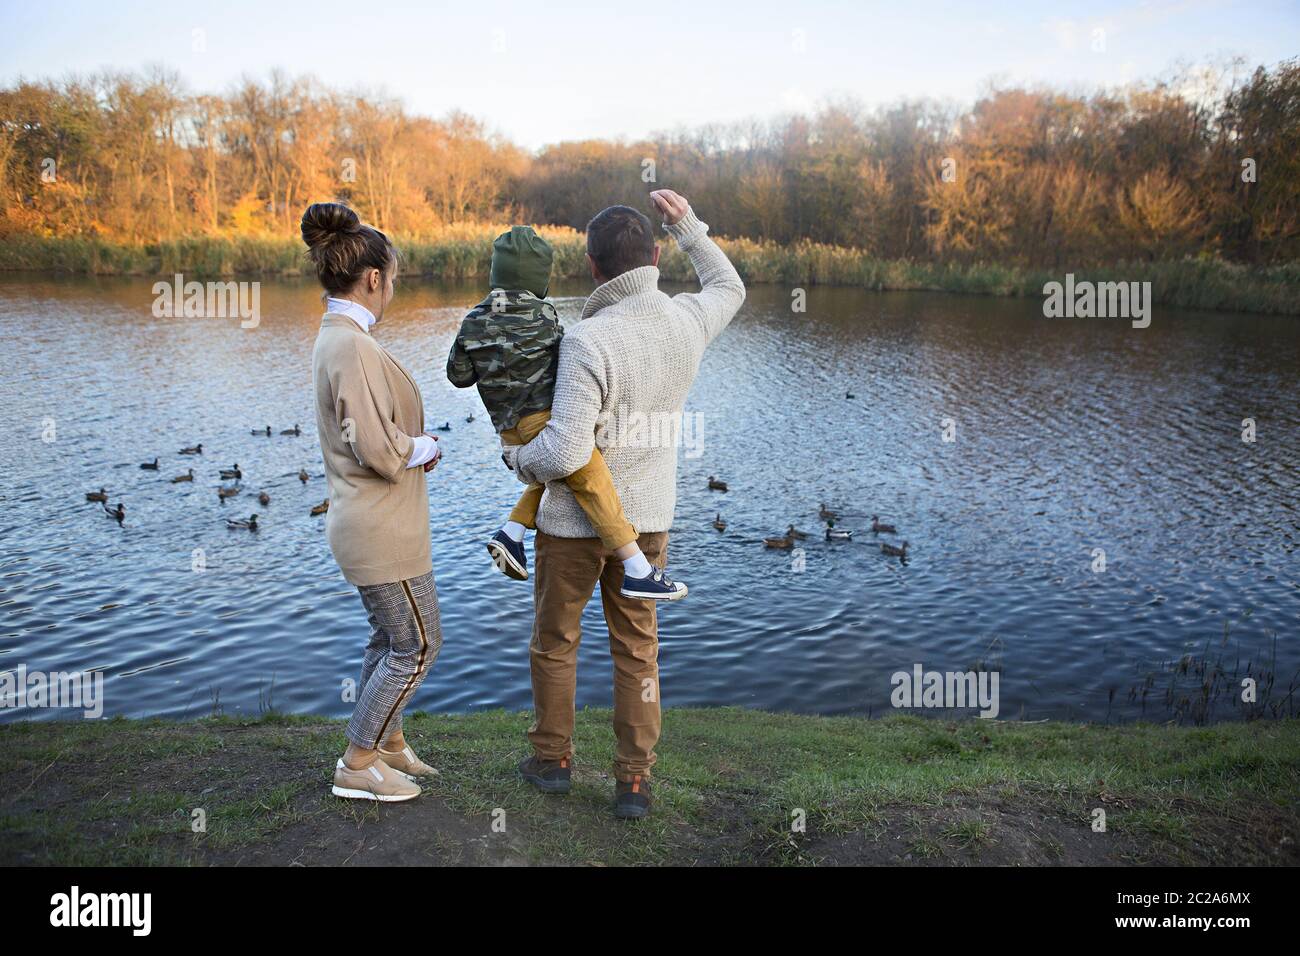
[508, 345]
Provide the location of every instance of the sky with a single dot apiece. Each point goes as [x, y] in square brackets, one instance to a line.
[543, 72]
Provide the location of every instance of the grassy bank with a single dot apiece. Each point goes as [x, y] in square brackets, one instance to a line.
[901, 790]
[463, 252]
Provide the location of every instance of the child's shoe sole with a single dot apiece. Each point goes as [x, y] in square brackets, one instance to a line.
[505, 562]
[675, 596]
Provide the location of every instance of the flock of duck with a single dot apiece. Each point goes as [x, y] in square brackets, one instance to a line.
[225, 490]
[793, 534]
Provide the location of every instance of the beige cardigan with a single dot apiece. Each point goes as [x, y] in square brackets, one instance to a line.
[367, 409]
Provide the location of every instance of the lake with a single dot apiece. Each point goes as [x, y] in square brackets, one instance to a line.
[1069, 438]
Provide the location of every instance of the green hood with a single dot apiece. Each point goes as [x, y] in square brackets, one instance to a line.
[521, 259]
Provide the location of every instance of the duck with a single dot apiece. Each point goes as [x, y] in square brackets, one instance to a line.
[893, 550]
[838, 534]
[795, 534]
[321, 508]
[224, 493]
[193, 450]
[716, 485]
[117, 513]
[188, 476]
[150, 465]
[879, 528]
[470, 418]
[718, 522]
[263, 431]
[101, 495]
[780, 543]
[250, 524]
[263, 499]
[826, 514]
[295, 430]
[850, 395]
[303, 476]
[232, 472]
[445, 427]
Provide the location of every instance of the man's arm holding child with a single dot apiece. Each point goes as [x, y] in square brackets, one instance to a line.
[569, 438]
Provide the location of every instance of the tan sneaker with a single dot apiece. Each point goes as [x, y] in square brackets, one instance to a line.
[377, 782]
[405, 762]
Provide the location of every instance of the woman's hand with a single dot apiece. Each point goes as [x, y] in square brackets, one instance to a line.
[432, 463]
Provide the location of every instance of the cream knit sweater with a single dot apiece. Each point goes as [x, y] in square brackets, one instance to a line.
[624, 374]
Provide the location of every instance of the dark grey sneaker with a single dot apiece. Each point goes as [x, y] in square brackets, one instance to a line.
[549, 776]
[508, 555]
[632, 798]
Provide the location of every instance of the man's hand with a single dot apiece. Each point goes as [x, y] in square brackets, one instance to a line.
[670, 205]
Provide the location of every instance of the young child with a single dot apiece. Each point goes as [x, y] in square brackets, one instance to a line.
[509, 345]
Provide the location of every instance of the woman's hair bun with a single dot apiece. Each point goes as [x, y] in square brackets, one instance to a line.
[324, 220]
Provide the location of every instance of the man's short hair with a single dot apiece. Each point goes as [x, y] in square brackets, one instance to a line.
[620, 239]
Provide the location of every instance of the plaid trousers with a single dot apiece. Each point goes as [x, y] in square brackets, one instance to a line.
[405, 636]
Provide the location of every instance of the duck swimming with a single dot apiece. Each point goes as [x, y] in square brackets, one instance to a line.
[224, 493]
[263, 431]
[193, 450]
[716, 485]
[469, 417]
[263, 499]
[250, 524]
[892, 550]
[445, 427]
[321, 508]
[838, 534]
[718, 522]
[783, 544]
[295, 430]
[150, 466]
[189, 476]
[796, 534]
[303, 476]
[879, 528]
[117, 513]
[232, 472]
[100, 495]
[826, 514]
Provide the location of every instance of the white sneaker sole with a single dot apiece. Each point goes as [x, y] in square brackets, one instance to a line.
[675, 596]
[367, 795]
[506, 563]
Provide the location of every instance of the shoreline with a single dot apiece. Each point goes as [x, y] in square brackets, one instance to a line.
[730, 786]
[462, 253]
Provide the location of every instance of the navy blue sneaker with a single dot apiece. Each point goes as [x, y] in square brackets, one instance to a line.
[508, 555]
[655, 586]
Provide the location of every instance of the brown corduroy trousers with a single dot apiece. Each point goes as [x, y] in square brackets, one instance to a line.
[566, 571]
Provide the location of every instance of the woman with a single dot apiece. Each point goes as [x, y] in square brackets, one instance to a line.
[370, 420]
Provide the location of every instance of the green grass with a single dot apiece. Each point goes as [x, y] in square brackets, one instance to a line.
[729, 785]
[464, 252]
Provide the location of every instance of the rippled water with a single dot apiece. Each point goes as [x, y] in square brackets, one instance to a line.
[1071, 435]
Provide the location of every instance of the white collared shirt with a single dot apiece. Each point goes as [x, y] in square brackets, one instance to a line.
[355, 311]
[424, 449]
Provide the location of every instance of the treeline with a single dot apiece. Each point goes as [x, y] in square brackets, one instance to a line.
[1025, 177]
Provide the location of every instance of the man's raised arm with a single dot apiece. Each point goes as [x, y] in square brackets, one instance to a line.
[722, 292]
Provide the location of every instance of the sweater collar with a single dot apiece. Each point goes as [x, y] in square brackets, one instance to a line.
[638, 281]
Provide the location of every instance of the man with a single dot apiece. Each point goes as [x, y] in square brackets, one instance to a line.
[632, 359]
